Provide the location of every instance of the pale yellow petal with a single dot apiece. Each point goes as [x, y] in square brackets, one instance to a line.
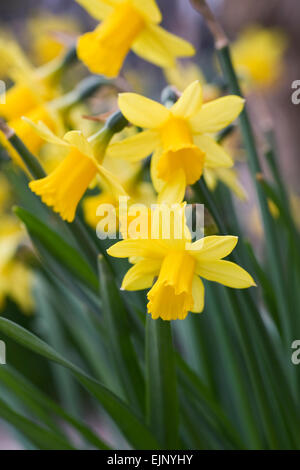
[149, 9]
[217, 114]
[137, 248]
[230, 178]
[198, 295]
[143, 112]
[111, 183]
[45, 133]
[173, 191]
[77, 139]
[215, 155]
[157, 182]
[225, 272]
[141, 275]
[190, 101]
[213, 248]
[97, 8]
[134, 148]
[160, 47]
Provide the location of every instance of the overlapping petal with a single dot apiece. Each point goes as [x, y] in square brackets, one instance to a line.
[215, 154]
[141, 275]
[143, 112]
[190, 101]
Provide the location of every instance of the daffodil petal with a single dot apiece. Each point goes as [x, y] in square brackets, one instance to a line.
[210, 178]
[138, 248]
[141, 275]
[213, 248]
[157, 182]
[174, 190]
[215, 155]
[198, 295]
[217, 114]
[143, 112]
[99, 9]
[149, 9]
[161, 47]
[77, 139]
[45, 133]
[230, 178]
[111, 183]
[190, 101]
[134, 148]
[225, 272]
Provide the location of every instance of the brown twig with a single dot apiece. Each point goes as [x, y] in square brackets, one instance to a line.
[218, 33]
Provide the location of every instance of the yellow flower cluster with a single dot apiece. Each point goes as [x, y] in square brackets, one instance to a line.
[181, 140]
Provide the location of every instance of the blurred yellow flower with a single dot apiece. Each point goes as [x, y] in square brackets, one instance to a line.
[258, 54]
[128, 175]
[42, 28]
[179, 266]
[16, 279]
[183, 74]
[63, 189]
[127, 24]
[180, 137]
[229, 177]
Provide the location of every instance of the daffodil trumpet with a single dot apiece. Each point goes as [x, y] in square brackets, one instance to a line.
[64, 187]
[181, 138]
[125, 25]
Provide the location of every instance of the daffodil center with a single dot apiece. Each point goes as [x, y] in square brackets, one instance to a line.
[171, 296]
[179, 152]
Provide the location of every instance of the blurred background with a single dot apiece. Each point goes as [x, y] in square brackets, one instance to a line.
[270, 102]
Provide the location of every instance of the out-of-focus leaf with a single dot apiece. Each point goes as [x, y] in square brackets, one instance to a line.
[117, 327]
[67, 256]
[130, 424]
[161, 382]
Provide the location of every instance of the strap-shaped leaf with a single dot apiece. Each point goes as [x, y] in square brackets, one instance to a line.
[129, 423]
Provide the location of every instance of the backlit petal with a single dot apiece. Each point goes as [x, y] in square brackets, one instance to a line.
[160, 47]
[215, 155]
[97, 8]
[174, 190]
[190, 101]
[198, 295]
[225, 272]
[141, 275]
[143, 112]
[217, 114]
[138, 248]
[213, 248]
[134, 148]
[45, 133]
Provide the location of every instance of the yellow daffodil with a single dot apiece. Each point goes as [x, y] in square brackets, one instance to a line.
[127, 24]
[128, 175]
[16, 279]
[42, 29]
[182, 75]
[180, 137]
[32, 87]
[179, 265]
[63, 189]
[257, 55]
[229, 177]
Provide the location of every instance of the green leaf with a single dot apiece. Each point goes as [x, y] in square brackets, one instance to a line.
[41, 405]
[129, 423]
[161, 382]
[43, 438]
[117, 327]
[67, 256]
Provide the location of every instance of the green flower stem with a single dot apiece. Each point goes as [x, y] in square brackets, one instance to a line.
[161, 383]
[86, 88]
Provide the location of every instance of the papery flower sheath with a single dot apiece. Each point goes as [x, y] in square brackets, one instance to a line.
[180, 137]
[179, 265]
[127, 24]
[64, 187]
